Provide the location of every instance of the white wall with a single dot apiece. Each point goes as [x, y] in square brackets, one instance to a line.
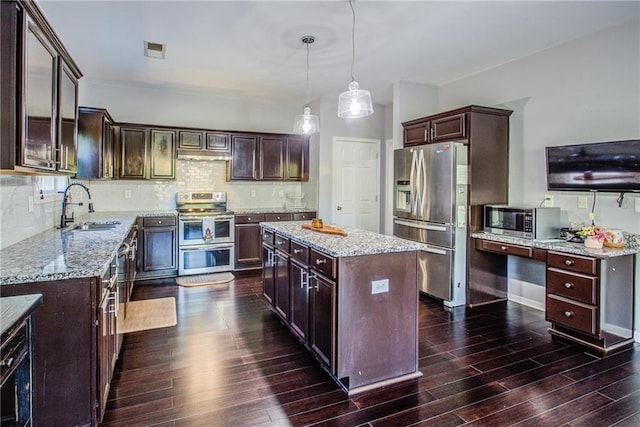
[584, 91]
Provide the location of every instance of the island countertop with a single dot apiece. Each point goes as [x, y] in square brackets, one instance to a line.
[56, 254]
[356, 243]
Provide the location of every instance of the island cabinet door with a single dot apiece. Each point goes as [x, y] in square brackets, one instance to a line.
[281, 304]
[322, 316]
[299, 275]
[268, 276]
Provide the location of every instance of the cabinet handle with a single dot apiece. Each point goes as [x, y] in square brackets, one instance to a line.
[321, 261]
[568, 285]
[278, 242]
[304, 279]
[568, 262]
[568, 314]
[425, 134]
[433, 133]
[503, 248]
[248, 218]
[297, 251]
[7, 362]
[159, 222]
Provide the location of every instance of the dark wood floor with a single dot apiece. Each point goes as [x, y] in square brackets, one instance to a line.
[230, 362]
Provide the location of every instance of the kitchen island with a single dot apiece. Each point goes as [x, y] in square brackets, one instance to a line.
[352, 300]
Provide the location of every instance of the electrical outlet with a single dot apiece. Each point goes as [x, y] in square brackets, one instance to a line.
[253, 192]
[548, 201]
[379, 286]
[637, 204]
[582, 202]
[280, 193]
[31, 201]
[127, 194]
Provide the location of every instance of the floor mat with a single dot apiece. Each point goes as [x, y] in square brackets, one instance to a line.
[147, 314]
[205, 279]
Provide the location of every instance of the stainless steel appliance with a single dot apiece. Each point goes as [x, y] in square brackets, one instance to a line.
[527, 223]
[430, 206]
[206, 233]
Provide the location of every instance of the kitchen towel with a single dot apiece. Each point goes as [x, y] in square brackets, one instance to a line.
[208, 229]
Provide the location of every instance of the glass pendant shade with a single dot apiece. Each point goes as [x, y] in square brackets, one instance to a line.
[306, 123]
[355, 102]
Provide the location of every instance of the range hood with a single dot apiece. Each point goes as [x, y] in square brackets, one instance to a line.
[203, 155]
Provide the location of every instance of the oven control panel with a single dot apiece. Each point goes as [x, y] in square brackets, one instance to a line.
[183, 197]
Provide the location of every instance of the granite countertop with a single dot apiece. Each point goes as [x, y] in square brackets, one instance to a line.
[247, 211]
[14, 309]
[632, 245]
[357, 242]
[58, 254]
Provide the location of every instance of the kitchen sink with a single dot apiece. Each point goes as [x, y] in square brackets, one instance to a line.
[95, 226]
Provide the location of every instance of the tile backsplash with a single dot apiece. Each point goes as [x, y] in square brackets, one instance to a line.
[18, 222]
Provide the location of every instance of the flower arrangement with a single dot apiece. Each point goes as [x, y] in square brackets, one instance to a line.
[598, 233]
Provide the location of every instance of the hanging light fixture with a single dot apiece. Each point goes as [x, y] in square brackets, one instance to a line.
[306, 122]
[355, 102]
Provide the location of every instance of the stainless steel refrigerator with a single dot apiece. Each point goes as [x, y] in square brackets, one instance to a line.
[431, 198]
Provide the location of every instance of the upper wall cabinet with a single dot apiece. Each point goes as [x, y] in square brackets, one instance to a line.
[39, 96]
[145, 153]
[268, 157]
[203, 145]
[95, 144]
[431, 129]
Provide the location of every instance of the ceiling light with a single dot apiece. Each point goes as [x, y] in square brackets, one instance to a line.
[355, 102]
[306, 122]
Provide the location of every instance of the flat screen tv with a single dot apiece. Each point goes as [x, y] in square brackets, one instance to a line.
[601, 166]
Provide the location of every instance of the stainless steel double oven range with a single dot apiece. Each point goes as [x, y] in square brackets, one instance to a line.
[206, 233]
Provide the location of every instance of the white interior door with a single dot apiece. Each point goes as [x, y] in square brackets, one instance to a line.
[356, 183]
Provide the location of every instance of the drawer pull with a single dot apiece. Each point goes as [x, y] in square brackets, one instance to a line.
[248, 218]
[568, 285]
[568, 262]
[568, 314]
[503, 248]
[297, 251]
[159, 222]
[278, 242]
[321, 261]
[7, 362]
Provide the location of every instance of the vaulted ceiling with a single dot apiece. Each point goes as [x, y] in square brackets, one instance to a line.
[254, 48]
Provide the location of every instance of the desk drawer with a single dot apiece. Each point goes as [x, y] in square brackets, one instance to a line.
[577, 263]
[572, 285]
[506, 248]
[572, 314]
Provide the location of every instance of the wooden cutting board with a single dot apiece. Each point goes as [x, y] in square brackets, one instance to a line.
[328, 229]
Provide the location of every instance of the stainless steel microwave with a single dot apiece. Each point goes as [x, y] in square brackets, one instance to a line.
[527, 223]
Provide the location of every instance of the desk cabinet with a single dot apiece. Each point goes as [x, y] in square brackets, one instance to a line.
[590, 300]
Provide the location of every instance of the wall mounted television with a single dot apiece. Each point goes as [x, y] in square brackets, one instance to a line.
[602, 166]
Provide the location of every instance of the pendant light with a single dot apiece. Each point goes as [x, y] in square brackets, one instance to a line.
[355, 102]
[306, 122]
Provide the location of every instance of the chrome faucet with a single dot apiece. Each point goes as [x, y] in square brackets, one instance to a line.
[66, 201]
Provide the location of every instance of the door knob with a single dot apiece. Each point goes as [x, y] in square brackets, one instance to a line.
[339, 208]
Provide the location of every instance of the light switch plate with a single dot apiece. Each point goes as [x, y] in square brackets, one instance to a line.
[379, 286]
[127, 194]
[637, 204]
[582, 202]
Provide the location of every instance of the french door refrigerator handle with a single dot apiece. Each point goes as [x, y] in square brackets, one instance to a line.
[420, 226]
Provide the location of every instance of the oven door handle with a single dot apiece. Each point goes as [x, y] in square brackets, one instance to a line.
[205, 248]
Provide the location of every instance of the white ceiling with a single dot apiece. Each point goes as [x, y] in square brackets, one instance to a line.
[253, 47]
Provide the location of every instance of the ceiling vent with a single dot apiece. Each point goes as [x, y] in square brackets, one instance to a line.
[154, 50]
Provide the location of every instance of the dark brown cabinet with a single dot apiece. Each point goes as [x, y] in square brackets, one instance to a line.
[268, 157]
[145, 153]
[157, 247]
[107, 332]
[95, 144]
[39, 94]
[322, 315]
[282, 301]
[268, 266]
[435, 129]
[248, 246]
[203, 144]
[299, 283]
[244, 158]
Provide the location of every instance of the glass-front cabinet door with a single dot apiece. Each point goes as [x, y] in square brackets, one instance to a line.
[68, 125]
[39, 101]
